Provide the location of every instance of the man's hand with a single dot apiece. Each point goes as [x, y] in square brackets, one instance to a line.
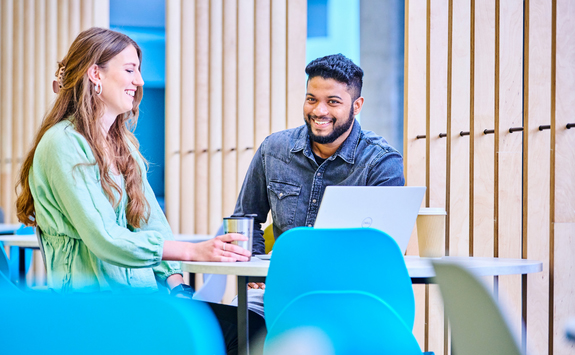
[256, 285]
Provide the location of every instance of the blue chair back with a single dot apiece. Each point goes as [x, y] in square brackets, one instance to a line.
[364, 325]
[108, 324]
[364, 259]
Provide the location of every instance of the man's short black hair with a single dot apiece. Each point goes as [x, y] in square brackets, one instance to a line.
[339, 68]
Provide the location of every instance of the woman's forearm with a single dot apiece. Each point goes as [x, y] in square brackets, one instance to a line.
[179, 251]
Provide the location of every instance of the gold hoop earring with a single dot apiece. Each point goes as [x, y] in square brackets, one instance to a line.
[98, 88]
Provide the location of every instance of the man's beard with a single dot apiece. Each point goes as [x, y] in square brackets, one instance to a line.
[333, 136]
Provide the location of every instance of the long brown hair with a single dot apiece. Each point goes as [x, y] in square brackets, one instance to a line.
[77, 100]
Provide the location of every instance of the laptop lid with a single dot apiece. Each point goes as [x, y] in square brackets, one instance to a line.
[392, 209]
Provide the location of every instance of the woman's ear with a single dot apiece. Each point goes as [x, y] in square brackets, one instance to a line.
[94, 74]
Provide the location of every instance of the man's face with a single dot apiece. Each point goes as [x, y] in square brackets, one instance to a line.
[328, 110]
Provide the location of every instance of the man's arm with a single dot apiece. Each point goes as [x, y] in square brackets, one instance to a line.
[253, 198]
[387, 170]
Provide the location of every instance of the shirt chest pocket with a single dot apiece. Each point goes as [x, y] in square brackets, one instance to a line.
[283, 198]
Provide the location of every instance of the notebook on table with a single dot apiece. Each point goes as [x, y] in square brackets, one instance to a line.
[392, 209]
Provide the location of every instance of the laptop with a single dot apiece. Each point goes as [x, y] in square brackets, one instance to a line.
[392, 209]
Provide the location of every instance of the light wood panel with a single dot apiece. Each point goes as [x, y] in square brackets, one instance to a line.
[7, 54]
[460, 122]
[510, 151]
[414, 125]
[483, 118]
[278, 110]
[262, 73]
[562, 268]
[215, 115]
[188, 122]
[172, 152]
[437, 148]
[537, 146]
[246, 85]
[230, 85]
[296, 37]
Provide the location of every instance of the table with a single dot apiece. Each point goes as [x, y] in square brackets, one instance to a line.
[30, 241]
[8, 228]
[420, 270]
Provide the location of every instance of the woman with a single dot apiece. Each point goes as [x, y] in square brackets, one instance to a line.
[84, 181]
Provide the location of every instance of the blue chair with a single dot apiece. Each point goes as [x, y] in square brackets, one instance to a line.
[355, 322]
[337, 260]
[477, 324]
[108, 324]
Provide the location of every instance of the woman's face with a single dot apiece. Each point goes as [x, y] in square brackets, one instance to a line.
[120, 79]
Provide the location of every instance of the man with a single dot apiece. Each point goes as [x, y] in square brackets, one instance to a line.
[291, 168]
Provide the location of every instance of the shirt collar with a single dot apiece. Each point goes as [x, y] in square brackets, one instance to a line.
[346, 150]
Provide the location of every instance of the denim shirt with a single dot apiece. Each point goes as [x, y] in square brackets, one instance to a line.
[284, 177]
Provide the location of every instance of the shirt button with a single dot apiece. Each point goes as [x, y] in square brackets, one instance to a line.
[318, 174]
[281, 194]
[309, 225]
[314, 200]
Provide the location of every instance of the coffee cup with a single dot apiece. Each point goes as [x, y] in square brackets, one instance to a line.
[243, 225]
[431, 232]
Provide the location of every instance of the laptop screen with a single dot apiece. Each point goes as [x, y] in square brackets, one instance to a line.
[392, 209]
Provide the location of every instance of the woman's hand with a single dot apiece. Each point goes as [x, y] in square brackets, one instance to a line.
[221, 249]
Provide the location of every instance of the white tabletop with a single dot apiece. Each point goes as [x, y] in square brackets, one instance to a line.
[30, 240]
[24, 241]
[8, 228]
[416, 266]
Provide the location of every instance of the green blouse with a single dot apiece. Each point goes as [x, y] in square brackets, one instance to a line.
[88, 243]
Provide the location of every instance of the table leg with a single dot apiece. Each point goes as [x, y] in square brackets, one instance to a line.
[243, 319]
[22, 267]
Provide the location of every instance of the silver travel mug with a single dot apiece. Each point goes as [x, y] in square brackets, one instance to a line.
[243, 225]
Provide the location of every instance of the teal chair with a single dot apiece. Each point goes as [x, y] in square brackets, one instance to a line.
[15, 255]
[478, 326]
[364, 260]
[108, 324]
[355, 322]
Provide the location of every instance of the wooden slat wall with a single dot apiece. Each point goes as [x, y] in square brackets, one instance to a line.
[235, 74]
[509, 64]
[34, 35]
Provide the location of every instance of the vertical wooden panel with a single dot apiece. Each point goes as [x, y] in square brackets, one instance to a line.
[483, 118]
[536, 181]
[278, 65]
[6, 107]
[262, 64]
[296, 37]
[63, 28]
[18, 96]
[173, 85]
[74, 18]
[563, 170]
[437, 116]
[202, 115]
[87, 13]
[51, 38]
[188, 122]
[246, 85]
[215, 116]
[230, 112]
[42, 85]
[510, 151]
[414, 124]
[460, 122]
[29, 75]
